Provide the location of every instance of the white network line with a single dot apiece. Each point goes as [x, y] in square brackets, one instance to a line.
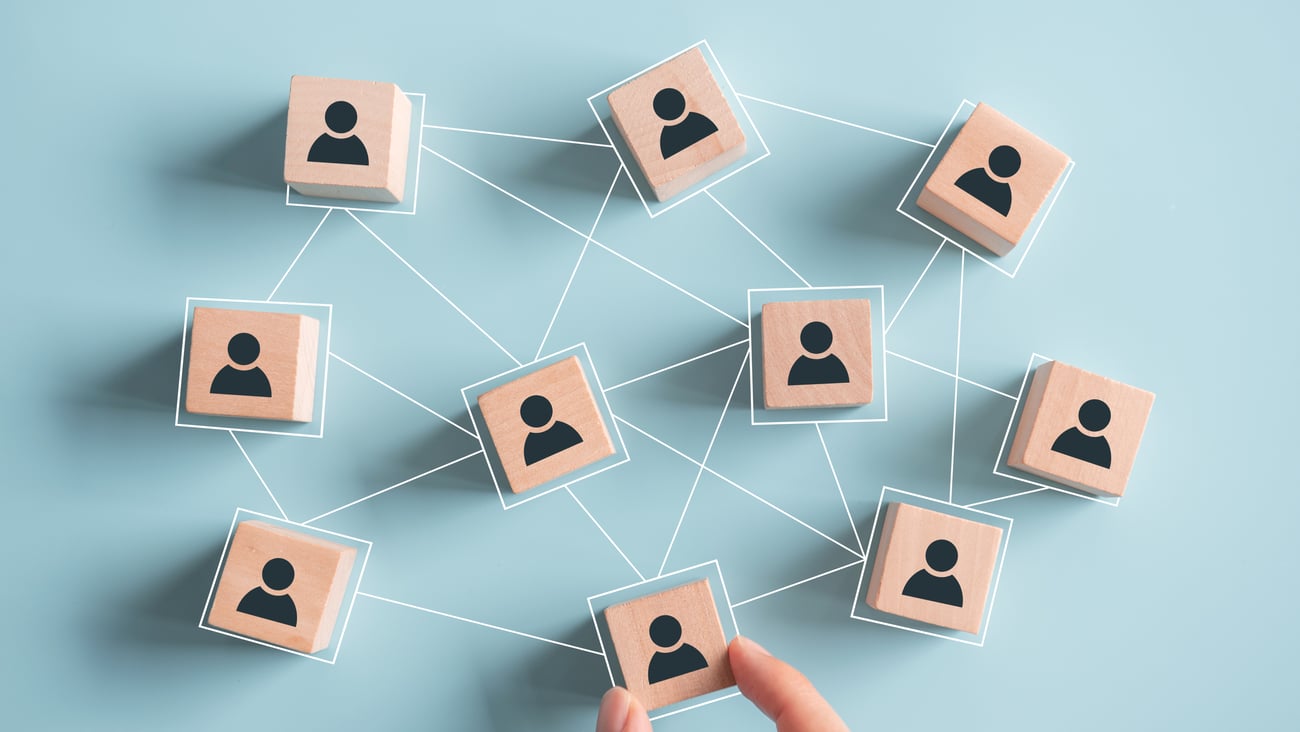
[610, 539]
[434, 287]
[832, 119]
[756, 238]
[843, 499]
[399, 484]
[805, 581]
[520, 137]
[956, 382]
[480, 623]
[298, 256]
[389, 387]
[670, 367]
[258, 473]
[949, 374]
[699, 473]
[574, 274]
[915, 285]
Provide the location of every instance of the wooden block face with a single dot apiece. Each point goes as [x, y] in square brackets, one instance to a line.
[1080, 429]
[677, 124]
[347, 139]
[245, 363]
[816, 353]
[670, 645]
[992, 180]
[545, 424]
[933, 567]
[281, 586]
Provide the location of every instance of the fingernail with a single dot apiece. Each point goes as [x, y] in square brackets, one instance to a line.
[614, 707]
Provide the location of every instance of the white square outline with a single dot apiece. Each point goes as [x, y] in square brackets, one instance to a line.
[884, 362]
[1003, 548]
[731, 610]
[1049, 485]
[699, 189]
[325, 378]
[207, 605]
[464, 395]
[415, 196]
[972, 250]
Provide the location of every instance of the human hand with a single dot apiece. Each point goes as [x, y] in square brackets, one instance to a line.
[775, 687]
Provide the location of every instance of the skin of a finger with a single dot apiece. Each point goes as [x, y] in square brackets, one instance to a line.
[621, 712]
[779, 691]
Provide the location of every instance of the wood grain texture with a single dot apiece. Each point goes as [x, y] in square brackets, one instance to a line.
[1041, 166]
[565, 386]
[693, 607]
[321, 570]
[632, 107]
[783, 323]
[288, 350]
[383, 126]
[1051, 410]
[907, 533]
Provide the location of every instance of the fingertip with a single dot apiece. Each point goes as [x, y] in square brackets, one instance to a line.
[620, 711]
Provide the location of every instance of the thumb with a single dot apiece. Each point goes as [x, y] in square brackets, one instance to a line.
[621, 712]
[779, 691]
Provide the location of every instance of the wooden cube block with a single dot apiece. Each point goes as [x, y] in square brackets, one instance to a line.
[1080, 429]
[281, 586]
[816, 353]
[992, 180]
[545, 424]
[933, 567]
[245, 363]
[670, 646]
[677, 124]
[347, 139]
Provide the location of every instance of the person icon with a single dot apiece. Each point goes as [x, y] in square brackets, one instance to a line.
[816, 338]
[666, 632]
[243, 349]
[941, 556]
[341, 118]
[669, 104]
[1094, 415]
[277, 574]
[1004, 161]
[536, 412]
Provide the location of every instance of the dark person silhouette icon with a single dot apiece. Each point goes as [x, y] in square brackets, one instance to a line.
[941, 555]
[666, 632]
[669, 104]
[536, 411]
[278, 575]
[1094, 415]
[1004, 161]
[816, 338]
[340, 117]
[243, 349]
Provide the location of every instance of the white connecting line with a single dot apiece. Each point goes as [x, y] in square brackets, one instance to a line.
[398, 484]
[520, 137]
[670, 367]
[389, 387]
[480, 624]
[258, 473]
[956, 382]
[915, 285]
[832, 119]
[298, 256]
[756, 238]
[610, 539]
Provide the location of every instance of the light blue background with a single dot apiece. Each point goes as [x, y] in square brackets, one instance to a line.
[142, 153]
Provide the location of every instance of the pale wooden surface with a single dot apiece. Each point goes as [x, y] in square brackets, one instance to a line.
[383, 126]
[629, 628]
[907, 532]
[632, 108]
[850, 324]
[1052, 407]
[321, 573]
[1041, 166]
[288, 358]
[564, 384]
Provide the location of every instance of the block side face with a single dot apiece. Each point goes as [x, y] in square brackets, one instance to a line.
[221, 379]
[328, 151]
[949, 594]
[400, 148]
[1086, 446]
[550, 445]
[878, 567]
[694, 662]
[995, 193]
[811, 365]
[304, 403]
[1029, 415]
[698, 174]
[685, 134]
[295, 609]
[930, 201]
